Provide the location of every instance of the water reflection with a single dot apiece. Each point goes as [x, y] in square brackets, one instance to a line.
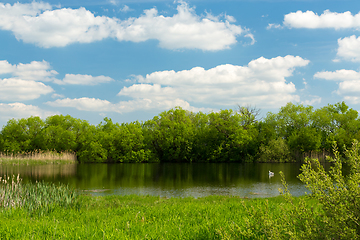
[168, 179]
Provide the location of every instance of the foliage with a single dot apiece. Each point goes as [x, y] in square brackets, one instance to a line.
[178, 135]
[169, 136]
[39, 197]
[335, 209]
[275, 151]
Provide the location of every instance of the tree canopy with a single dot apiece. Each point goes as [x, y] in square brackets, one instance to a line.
[178, 135]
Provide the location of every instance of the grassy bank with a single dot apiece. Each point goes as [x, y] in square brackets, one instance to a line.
[143, 217]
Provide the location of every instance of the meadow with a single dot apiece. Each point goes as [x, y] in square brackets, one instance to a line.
[143, 217]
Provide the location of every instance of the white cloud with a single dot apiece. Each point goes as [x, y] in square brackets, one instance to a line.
[314, 100]
[42, 72]
[24, 81]
[328, 19]
[348, 80]
[20, 110]
[114, 2]
[55, 95]
[126, 8]
[34, 71]
[349, 48]
[98, 105]
[273, 25]
[261, 82]
[12, 89]
[352, 99]
[37, 23]
[84, 104]
[78, 79]
[338, 75]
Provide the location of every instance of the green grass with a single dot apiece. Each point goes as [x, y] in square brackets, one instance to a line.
[50, 211]
[38, 197]
[138, 217]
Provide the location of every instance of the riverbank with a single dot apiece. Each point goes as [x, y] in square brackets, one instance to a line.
[145, 217]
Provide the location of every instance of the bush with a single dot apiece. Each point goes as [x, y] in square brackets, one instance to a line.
[276, 151]
[330, 211]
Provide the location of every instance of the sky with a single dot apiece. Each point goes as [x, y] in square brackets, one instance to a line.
[131, 60]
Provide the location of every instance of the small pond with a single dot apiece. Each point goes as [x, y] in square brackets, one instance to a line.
[167, 179]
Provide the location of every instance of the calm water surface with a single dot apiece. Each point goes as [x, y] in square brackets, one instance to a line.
[167, 179]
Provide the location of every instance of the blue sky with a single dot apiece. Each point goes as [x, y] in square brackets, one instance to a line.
[131, 60]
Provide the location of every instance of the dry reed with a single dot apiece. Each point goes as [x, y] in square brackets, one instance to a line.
[38, 155]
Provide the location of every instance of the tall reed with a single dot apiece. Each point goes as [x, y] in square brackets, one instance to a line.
[38, 155]
[34, 196]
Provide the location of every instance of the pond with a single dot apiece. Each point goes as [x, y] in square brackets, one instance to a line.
[167, 179]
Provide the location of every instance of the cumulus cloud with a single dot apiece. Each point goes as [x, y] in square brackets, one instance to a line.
[98, 105]
[25, 81]
[20, 110]
[39, 24]
[79, 79]
[338, 75]
[328, 19]
[41, 71]
[12, 89]
[84, 104]
[261, 82]
[349, 48]
[34, 71]
[348, 81]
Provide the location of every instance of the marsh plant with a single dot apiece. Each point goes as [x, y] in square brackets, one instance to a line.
[38, 156]
[38, 196]
[330, 211]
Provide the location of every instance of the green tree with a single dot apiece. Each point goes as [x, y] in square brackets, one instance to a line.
[58, 133]
[169, 135]
[294, 123]
[228, 139]
[337, 123]
[124, 143]
[22, 135]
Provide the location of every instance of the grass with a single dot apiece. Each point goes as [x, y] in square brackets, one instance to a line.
[38, 157]
[49, 211]
[38, 197]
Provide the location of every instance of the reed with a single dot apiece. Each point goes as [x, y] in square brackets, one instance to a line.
[38, 197]
[38, 156]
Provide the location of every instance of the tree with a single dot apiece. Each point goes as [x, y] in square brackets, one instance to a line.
[170, 135]
[294, 123]
[22, 135]
[59, 134]
[227, 139]
[337, 123]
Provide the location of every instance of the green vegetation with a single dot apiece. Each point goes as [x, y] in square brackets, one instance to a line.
[331, 211]
[138, 217]
[178, 135]
[39, 197]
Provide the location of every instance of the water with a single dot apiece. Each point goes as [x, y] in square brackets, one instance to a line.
[167, 179]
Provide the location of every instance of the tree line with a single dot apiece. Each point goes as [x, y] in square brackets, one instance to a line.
[178, 135]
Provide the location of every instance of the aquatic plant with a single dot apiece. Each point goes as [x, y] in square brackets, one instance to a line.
[36, 196]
